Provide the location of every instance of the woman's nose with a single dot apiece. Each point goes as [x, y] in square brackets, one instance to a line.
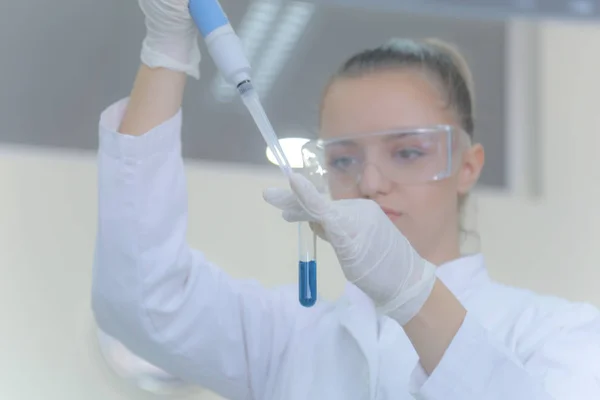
[372, 181]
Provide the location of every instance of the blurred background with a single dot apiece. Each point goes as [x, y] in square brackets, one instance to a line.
[536, 67]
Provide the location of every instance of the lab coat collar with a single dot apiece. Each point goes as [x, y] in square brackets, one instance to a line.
[358, 311]
[463, 274]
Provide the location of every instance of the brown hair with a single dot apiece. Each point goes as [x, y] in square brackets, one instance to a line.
[439, 59]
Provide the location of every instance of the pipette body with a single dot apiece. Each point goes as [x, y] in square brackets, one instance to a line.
[226, 49]
[224, 46]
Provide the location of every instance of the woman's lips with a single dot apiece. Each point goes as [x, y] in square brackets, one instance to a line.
[392, 214]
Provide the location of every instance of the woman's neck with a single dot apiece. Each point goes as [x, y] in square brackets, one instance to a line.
[446, 250]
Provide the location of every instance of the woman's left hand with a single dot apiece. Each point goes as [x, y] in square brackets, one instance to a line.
[373, 253]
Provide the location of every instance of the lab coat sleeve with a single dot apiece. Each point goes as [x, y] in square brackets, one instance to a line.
[162, 300]
[478, 367]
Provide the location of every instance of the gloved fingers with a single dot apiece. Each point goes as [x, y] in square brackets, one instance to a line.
[283, 199]
[287, 202]
[171, 40]
[318, 230]
[297, 215]
[308, 196]
[170, 10]
[303, 216]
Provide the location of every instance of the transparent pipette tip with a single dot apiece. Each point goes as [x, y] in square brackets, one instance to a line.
[254, 106]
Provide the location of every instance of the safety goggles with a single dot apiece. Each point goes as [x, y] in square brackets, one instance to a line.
[404, 156]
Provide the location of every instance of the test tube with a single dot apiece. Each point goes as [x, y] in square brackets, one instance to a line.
[307, 240]
[307, 265]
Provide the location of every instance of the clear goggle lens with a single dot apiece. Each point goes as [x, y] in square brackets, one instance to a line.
[407, 156]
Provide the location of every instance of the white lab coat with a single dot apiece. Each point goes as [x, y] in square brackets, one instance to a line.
[171, 306]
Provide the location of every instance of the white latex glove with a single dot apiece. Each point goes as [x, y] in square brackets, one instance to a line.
[372, 252]
[171, 37]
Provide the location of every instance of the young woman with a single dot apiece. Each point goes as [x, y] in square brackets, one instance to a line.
[417, 319]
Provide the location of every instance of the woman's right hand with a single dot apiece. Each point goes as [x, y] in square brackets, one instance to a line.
[171, 37]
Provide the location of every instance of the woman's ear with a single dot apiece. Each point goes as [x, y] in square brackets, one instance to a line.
[473, 161]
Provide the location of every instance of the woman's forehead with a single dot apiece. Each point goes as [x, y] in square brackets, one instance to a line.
[382, 102]
[416, 136]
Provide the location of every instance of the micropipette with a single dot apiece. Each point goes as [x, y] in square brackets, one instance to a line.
[227, 52]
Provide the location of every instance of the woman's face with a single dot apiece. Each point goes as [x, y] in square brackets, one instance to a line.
[427, 212]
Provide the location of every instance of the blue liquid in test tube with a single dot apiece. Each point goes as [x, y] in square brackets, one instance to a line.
[307, 266]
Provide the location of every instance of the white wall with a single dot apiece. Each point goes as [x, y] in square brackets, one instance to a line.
[551, 244]
[48, 209]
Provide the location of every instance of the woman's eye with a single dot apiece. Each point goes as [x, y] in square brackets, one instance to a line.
[409, 154]
[341, 162]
